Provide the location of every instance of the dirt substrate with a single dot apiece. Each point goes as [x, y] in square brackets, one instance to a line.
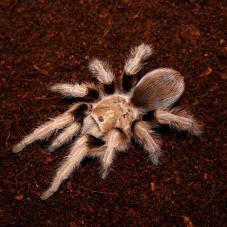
[44, 42]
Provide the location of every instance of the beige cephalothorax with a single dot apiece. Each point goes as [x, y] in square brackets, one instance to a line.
[107, 117]
[114, 111]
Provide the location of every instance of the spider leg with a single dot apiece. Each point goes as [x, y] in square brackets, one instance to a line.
[145, 136]
[134, 64]
[97, 146]
[65, 136]
[104, 74]
[87, 144]
[102, 71]
[76, 112]
[76, 90]
[116, 141]
[179, 119]
[77, 153]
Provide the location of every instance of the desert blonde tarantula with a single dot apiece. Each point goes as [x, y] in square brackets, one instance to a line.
[107, 125]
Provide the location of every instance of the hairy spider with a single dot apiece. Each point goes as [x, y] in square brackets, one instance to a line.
[107, 125]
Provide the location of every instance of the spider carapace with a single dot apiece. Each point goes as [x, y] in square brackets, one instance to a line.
[114, 112]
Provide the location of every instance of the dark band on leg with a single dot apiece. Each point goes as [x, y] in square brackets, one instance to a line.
[148, 116]
[127, 82]
[122, 133]
[92, 94]
[94, 142]
[133, 125]
[109, 88]
[120, 130]
[79, 112]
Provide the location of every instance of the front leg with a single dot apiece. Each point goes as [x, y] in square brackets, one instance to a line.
[179, 119]
[44, 131]
[65, 136]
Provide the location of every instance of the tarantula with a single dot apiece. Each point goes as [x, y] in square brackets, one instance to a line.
[107, 125]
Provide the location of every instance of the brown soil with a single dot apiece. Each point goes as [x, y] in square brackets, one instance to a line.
[44, 42]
